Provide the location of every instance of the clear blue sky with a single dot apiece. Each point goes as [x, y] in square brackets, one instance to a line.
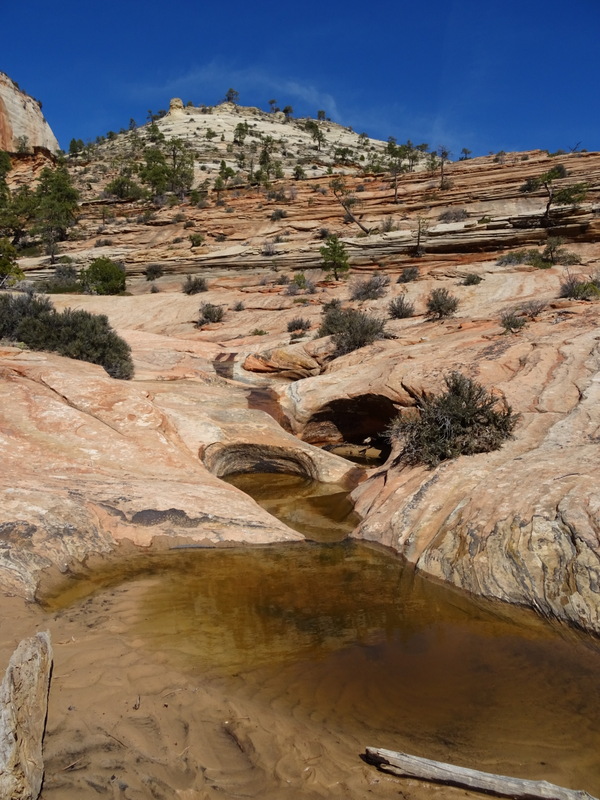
[481, 74]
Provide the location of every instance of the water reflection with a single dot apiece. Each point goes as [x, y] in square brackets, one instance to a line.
[349, 636]
[323, 512]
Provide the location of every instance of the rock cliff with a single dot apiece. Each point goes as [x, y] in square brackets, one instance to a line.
[22, 124]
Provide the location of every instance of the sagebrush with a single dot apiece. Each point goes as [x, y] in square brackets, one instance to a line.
[463, 420]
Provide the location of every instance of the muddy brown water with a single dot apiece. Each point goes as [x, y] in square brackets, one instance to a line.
[352, 647]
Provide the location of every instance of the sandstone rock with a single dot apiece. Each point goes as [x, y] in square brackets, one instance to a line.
[89, 462]
[21, 118]
[23, 707]
[288, 362]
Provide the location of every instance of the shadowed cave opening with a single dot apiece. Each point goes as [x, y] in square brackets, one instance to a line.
[356, 425]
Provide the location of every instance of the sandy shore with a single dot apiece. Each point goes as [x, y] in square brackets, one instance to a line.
[123, 723]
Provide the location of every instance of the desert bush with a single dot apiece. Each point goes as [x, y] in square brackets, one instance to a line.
[516, 257]
[324, 233]
[298, 324]
[103, 242]
[351, 329]
[32, 319]
[196, 239]
[65, 279]
[401, 308]
[576, 287]
[292, 289]
[239, 306]
[463, 420]
[550, 256]
[555, 254]
[512, 321]
[278, 213]
[153, 271]
[453, 215]
[371, 288]
[408, 275]
[532, 308]
[258, 332]
[103, 276]
[471, 279]
[154, 289]
[269, 249]
[387, 224]
[194, 285]
[441, 304]
[310, 287]
[210, 313]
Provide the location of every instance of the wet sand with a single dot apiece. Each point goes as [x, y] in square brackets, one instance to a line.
[243, 673]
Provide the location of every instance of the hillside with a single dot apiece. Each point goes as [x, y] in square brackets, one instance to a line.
[102, 474]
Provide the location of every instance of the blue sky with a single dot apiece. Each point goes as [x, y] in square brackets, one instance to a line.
[480, 74]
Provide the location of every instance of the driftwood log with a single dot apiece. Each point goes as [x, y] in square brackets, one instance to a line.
[23, 708]
[424, 769]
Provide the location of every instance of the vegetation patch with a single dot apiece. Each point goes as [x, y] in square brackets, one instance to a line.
[441, 304]
[401, 308]
[371, 288]
[463, 420]
[103, 276]
[194, 285]
[351, 329]
[32, 319]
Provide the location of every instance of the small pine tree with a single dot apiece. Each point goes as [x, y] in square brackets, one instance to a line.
[335, 256]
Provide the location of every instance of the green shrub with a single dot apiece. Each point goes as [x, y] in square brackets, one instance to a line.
[196, 239]
[441, 304]
[401, 308]
[464, 420]
[210, 313]
[153, 271]
[453, 215]
[532, 308]
[65, 279]
[298, 324]
[408, 275]
[279, 213]
[512, 321]
[471, 279]
[75, 334]
[103, 276]
[258, 332]
[551, 255]
[351, 329]
[576, 287]
[371, 288]
[125, 188]
[194, 285]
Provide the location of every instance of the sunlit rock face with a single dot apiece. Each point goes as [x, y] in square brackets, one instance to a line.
[22, 124]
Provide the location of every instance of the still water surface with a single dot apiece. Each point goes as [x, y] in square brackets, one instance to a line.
[348, 636]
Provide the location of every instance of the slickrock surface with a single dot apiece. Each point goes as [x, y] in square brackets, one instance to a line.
[90, 462]
[21, 118]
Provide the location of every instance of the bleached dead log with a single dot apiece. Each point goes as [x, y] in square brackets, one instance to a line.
[424, 769]
[23, 709]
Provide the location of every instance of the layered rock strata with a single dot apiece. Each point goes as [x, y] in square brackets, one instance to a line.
[22, 124]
